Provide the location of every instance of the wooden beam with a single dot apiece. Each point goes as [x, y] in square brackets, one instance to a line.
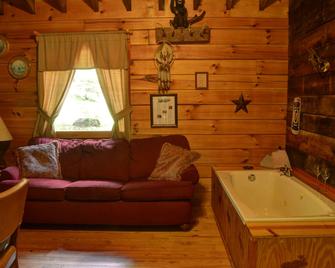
[94, 4]
[57, 4]
[161, 4]
[1, 7]
[231, 3]
[263, 4]
[196, 4]
[25, 5]
[127, 4]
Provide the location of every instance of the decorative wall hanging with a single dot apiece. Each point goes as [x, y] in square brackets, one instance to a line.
[181, 31]
[163, 61]
[4, 45]
[295, 123]
[241, 104]
[163, 110]
[201, 80]
[19, 67]
[319, 64]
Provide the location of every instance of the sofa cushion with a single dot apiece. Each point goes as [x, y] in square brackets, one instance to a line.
[93, 190]
[41, 189]
[172, 161]
[40, 160]
[105, 159]
[69, 155]
[157, 190]
[145, 152]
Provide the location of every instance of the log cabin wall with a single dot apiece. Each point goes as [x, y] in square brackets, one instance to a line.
[312, 26]
[247, 53]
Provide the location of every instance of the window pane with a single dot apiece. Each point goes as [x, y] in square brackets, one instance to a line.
[84, 108]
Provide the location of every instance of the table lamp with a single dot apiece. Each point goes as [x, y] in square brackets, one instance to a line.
[5, 139]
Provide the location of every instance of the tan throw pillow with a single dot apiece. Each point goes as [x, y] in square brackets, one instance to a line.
[172, 161]
[39, 161]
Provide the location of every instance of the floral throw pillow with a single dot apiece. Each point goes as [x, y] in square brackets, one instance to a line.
[39, 161]
[172, 161]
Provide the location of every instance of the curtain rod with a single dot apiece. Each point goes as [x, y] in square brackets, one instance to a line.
[36, 33]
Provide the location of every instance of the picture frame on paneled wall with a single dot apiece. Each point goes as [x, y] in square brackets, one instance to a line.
[201, 80]
[163, 110]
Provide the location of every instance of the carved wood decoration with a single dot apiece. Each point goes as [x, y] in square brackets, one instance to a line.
[127, 4]
[194, 35]
[58, 4]
[161, 4]
[25, 5]
[230, 4]
[196, 4]
[263, 4]
[94, 4]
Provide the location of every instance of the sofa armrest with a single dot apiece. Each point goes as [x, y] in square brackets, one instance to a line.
[190, 174]
[10, 173]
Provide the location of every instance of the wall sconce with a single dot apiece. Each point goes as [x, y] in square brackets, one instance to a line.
[320, 65]
[5, 138]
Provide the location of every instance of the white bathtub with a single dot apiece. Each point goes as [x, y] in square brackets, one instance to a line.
[272, 197]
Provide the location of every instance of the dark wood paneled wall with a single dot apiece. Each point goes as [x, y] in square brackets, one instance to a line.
[312, 25]
[248, 53]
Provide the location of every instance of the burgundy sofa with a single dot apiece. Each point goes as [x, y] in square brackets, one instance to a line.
[105, 182]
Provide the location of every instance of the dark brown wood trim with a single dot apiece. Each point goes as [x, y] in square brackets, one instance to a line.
[1, 7]
[161, 4]
[25, 5]
[263, 4]
[196, 4]
[127, 4]
[230, 4]
[60, 5]
[93, 4]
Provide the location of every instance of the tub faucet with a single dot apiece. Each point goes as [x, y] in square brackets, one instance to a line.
[285, 170]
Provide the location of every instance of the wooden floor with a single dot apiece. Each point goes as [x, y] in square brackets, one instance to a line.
[125, 248]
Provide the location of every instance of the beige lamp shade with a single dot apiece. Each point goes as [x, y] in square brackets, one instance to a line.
[4, 133]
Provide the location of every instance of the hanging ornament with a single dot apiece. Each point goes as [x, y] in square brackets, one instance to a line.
[163, 61]
[241, 104]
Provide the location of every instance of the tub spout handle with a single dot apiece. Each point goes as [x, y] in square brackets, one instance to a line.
[285, 170]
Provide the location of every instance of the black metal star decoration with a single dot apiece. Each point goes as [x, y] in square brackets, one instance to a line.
[241, 103]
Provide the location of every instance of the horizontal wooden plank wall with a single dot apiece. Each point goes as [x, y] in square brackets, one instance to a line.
[248, 54]
[312, 25]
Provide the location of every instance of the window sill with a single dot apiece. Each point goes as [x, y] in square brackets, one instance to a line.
[83, 134]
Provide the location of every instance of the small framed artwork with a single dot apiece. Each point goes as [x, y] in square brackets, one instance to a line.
[19, 67]
[163, 110]
[201, 80]
[4, 45]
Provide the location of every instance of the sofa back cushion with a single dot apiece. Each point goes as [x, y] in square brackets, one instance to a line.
[145, 152]
[105, 159]
[69, 155]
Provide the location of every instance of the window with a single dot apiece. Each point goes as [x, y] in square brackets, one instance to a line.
[84, 108]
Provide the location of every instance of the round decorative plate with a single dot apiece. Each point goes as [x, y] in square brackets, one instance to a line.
[4, 45]
[19, 67]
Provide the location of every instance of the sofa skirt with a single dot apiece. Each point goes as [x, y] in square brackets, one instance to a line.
[108, 213]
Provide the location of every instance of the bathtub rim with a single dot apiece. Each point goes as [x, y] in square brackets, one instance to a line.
[250, 220]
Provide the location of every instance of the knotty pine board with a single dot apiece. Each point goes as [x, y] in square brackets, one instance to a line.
[247, 54]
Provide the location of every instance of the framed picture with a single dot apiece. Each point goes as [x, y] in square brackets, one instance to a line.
[19, 67]
[4, 45]
[163, 110]
[201, 80]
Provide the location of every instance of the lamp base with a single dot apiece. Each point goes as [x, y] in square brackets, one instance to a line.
[4, 145]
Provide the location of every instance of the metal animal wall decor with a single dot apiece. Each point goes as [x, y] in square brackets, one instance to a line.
[181, 20]
[319, 64]
[163, 60]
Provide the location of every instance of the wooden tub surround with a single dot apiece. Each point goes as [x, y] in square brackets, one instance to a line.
[271, 244]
